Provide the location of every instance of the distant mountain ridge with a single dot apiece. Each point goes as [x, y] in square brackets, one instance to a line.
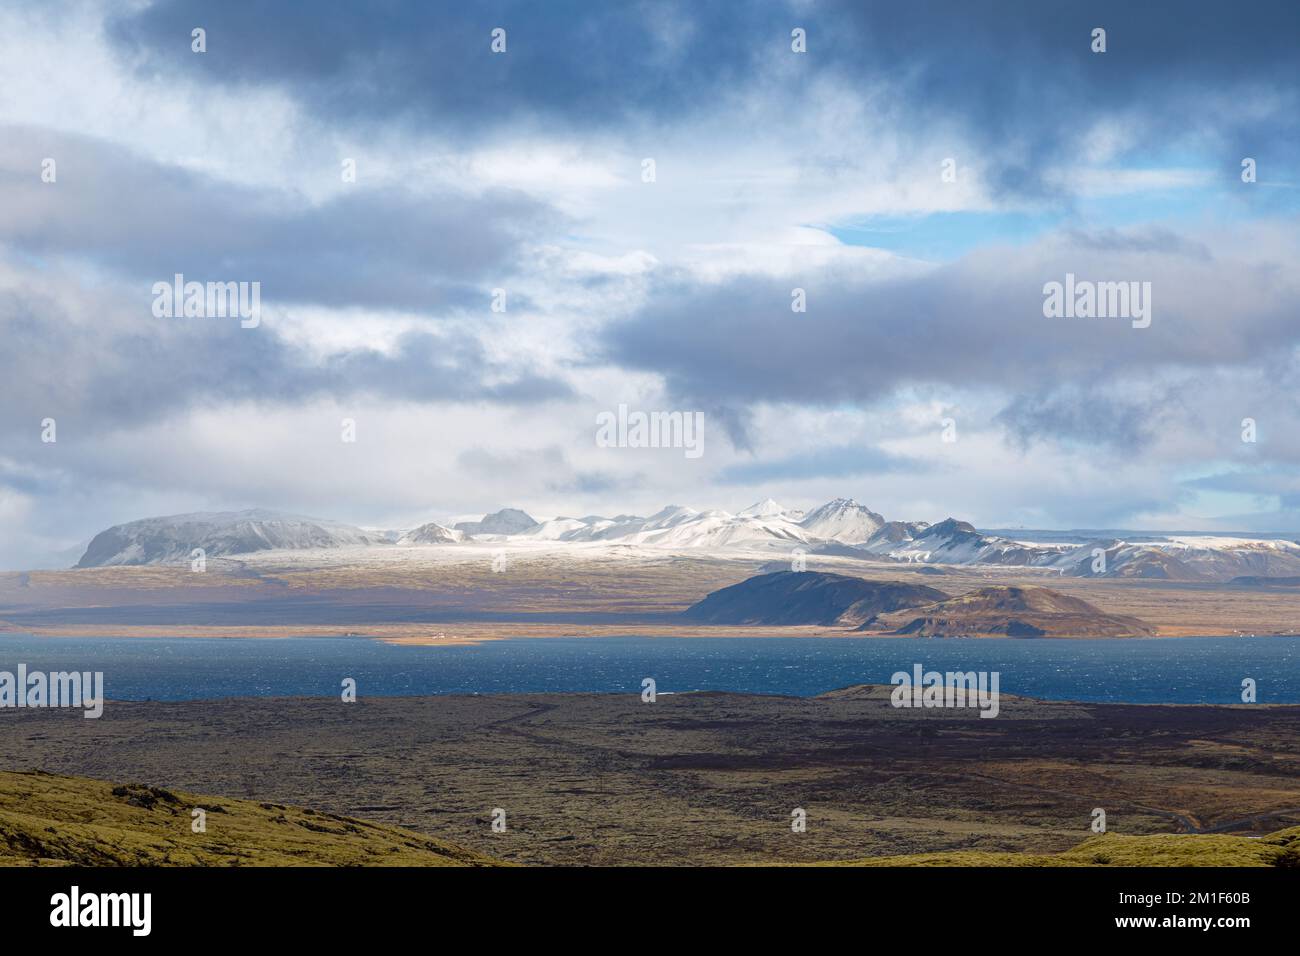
[841, 527]
[173, 539]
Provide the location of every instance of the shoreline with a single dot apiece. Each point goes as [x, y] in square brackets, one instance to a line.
[477, 633]
[879, 692]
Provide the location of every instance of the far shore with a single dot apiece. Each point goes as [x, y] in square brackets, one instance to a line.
[432, 600]
[470, 634]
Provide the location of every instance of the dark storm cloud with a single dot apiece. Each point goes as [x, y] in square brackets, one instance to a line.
[567, 62]
[432, 367]
[1022, 73]
[1089, 416]
[380, 248]
[1018, 77]
[977, 323]
[974, 323]
[98, 368]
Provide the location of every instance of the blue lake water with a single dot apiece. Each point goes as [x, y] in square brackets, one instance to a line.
[1184, 670]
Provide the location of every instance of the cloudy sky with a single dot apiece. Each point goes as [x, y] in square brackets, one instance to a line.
[525, 171]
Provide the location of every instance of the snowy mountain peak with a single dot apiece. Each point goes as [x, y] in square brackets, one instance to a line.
[505, 521]
[671, 514]
[431, 533]
[844, 520]
[839, 504]
[767, 508]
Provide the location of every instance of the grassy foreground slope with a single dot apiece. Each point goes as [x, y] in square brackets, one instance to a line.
[1277, 849]
[49, 820]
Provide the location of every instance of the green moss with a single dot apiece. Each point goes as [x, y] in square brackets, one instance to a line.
[48, 820]
[1277, 849]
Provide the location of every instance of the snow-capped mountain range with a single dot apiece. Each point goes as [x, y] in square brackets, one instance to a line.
[173, 539]
[841, 527]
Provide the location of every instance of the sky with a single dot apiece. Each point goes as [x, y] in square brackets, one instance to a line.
[616, 209]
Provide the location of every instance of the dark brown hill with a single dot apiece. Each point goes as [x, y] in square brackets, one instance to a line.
[809, 597]
[1011, 612]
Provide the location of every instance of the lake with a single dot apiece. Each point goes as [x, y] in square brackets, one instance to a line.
[1182, 670]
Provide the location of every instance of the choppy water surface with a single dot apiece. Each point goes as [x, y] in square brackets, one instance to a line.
[1184, 670]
